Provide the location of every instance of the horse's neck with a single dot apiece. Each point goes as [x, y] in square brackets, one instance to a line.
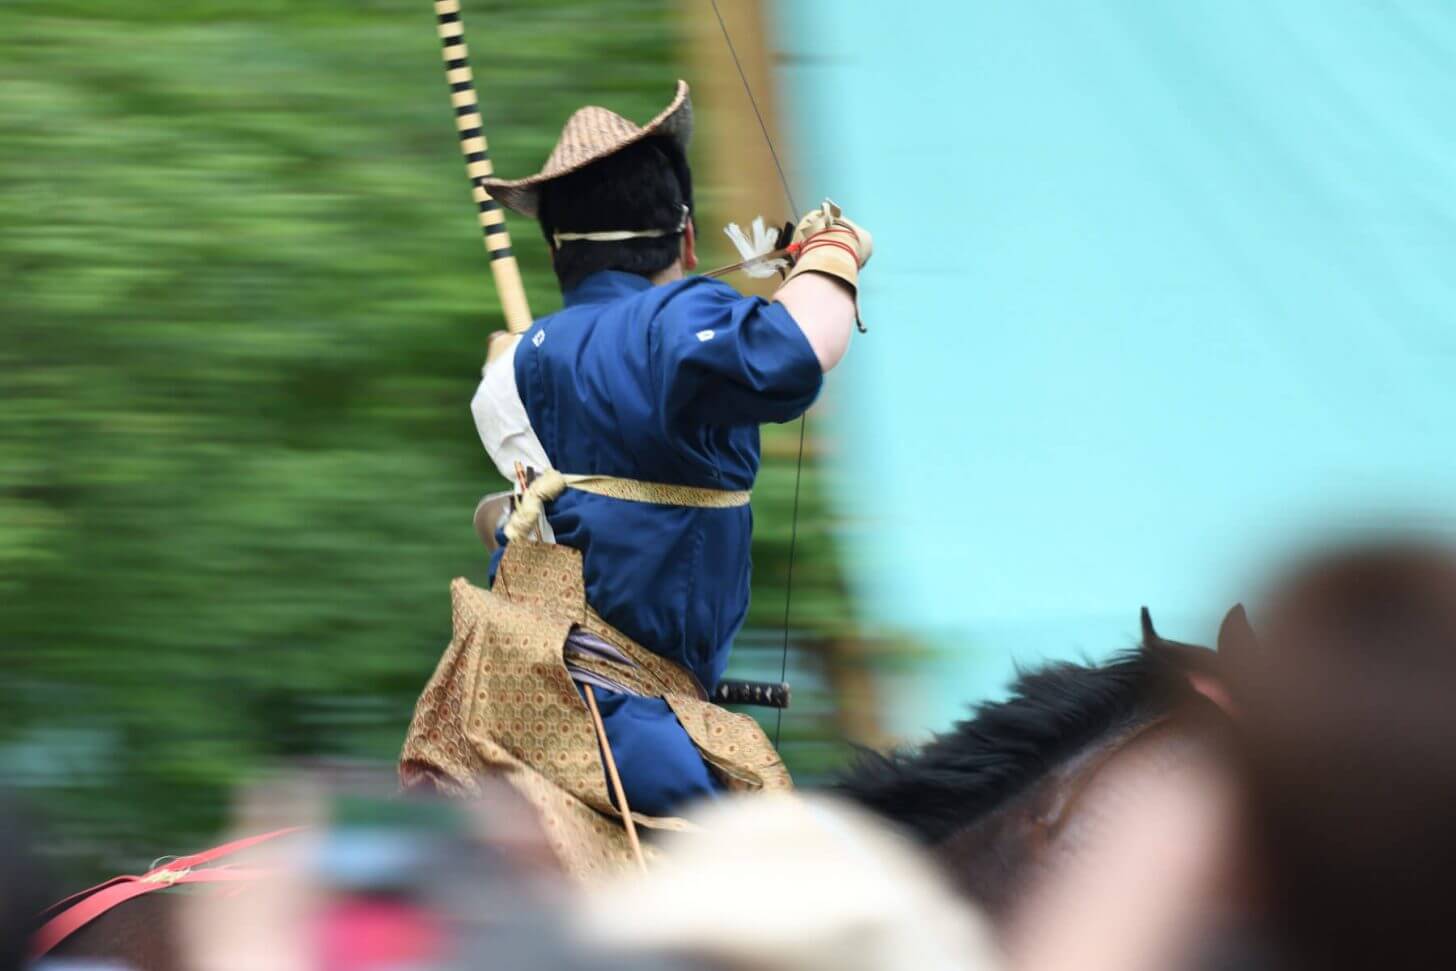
[999, 855]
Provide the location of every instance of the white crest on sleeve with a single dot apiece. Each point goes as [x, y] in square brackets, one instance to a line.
[706, 335]
[537, 340]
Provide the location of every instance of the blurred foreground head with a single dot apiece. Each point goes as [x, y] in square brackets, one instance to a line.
[791, 883]
[1347, 682]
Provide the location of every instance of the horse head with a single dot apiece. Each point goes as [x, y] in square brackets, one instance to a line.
[1009, 795]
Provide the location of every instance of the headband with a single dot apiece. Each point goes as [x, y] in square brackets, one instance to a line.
[617, 235]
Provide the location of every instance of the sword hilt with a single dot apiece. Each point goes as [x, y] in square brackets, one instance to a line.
[765, 694]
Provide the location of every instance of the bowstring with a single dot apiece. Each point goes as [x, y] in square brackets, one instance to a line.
[804, 418]
[762, 125]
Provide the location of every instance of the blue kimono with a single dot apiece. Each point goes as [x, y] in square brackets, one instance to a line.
[661, 384]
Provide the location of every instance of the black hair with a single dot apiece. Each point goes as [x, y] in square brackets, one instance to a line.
[643, 186]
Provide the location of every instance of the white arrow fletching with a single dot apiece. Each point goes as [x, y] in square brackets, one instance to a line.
[754, 250]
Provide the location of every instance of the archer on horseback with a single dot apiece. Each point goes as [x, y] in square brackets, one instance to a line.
[629, 421]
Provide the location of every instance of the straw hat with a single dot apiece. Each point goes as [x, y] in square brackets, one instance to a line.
[590, 134]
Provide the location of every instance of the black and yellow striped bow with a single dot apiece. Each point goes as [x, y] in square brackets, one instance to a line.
[468, 124]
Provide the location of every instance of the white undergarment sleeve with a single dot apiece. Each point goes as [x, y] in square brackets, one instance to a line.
[501, 419]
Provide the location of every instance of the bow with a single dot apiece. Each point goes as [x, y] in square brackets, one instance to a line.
[463, 99]
[803, 419]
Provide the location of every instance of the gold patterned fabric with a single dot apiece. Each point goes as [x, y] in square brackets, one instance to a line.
[501, 702]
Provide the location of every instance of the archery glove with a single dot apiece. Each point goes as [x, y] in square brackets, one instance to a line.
[830, 244]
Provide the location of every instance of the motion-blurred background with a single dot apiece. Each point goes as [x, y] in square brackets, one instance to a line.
[1155, 288]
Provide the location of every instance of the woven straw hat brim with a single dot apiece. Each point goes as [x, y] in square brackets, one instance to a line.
[591, 134]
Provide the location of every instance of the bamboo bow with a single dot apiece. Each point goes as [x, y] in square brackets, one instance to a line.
[503, 265]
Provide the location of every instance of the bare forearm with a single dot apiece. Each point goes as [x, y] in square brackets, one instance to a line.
[823, 307]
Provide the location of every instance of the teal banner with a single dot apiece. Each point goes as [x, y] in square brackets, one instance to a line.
[1161, 291]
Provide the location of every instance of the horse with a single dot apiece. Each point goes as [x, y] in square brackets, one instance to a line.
[1002, 798]
[1005, 797]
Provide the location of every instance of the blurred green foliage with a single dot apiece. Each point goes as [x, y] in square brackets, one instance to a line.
[244, 306]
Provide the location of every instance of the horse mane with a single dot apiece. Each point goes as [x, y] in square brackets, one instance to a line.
[1052, 714]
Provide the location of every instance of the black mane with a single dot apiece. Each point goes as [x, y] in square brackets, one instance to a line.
[1053, 713]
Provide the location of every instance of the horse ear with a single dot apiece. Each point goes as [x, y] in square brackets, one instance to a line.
[1211, 686]
[1236, 639]
[1202, 668]
[1150, 636]
[1236, 642]
[1155, 643]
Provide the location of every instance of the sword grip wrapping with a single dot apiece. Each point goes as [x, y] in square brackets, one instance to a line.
[765, 694]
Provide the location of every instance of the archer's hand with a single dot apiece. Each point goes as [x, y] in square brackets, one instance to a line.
[826, 243]
[828, 224]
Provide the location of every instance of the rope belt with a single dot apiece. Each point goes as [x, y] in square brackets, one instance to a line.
[551, 484]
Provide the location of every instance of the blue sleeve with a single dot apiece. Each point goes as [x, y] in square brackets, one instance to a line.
[720, 358]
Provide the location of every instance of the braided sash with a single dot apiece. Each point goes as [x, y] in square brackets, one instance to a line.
[552, 484]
